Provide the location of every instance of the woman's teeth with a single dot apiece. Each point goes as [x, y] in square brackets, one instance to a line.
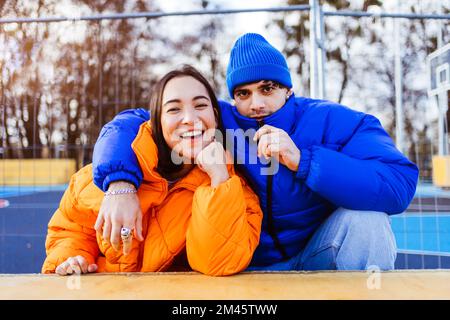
[191, 134]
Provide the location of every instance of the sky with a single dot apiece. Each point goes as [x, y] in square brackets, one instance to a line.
[234, 24]
[242, 23]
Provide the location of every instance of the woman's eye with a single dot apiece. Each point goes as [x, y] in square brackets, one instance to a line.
[201, 106]
[173, 110]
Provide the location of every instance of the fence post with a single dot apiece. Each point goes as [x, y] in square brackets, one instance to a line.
[313, 73]
[442, 102]
[399, 123]
[322, 56]
[317, 54]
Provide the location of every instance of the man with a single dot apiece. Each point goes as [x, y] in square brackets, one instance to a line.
[326, 205]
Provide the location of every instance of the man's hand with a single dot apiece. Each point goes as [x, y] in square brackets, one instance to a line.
[77, 265]
[117, 211]
[275, 142]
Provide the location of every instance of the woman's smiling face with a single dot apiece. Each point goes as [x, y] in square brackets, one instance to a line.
[187, 117]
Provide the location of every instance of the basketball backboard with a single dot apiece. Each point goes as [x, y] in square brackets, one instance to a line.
[439, 70]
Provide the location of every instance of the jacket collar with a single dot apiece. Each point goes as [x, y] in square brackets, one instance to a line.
[147, 153]
[284, 118]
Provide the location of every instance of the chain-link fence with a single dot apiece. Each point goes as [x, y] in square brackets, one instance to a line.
[63, 78]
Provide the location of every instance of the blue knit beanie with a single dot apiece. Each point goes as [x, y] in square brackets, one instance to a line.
[253, 59]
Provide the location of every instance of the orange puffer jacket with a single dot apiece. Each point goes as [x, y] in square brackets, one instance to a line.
[218, 227]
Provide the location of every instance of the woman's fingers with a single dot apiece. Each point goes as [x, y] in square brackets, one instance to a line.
[126, 243]
[82, 263]
[126, 247]
[127, 238]
[62, 268]
[92, 267]
[212, 155]
[73, 266]
[77, 265]
[115, 236]
[138, 227]
[107, 231]
[116, 212]
[99, 222]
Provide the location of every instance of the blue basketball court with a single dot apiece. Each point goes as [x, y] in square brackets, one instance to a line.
[422, 232]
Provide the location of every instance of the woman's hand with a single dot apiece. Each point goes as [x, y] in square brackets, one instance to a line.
[213, 160]
[77, 265]
[117, 211]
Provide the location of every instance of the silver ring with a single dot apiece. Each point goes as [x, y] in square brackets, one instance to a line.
[125, 233]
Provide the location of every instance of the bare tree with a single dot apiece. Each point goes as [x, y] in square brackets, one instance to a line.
[360, 60]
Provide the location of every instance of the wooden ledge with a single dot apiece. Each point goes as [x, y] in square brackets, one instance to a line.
[405, 284]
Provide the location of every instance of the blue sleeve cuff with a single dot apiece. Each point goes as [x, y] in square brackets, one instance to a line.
[304, 164]
[121, 176]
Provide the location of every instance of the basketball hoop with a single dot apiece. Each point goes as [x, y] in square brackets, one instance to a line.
[438, 84]
[439, 71]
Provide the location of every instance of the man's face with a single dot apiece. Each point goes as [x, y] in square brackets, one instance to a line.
[260, 99]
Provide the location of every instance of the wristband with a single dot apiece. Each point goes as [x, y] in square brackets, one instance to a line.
[120, 191]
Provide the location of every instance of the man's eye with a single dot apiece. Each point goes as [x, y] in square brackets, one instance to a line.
[267, 89]
[241, 94]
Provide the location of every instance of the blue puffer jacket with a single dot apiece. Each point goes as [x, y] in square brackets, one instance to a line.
[347, 160]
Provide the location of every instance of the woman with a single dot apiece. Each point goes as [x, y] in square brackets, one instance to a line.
[197, 213]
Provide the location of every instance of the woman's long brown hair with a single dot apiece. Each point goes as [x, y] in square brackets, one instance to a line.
[165, 165]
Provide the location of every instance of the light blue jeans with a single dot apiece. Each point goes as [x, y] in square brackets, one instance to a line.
[347, 240]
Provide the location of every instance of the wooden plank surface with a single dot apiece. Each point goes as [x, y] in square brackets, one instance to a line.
[421, 284]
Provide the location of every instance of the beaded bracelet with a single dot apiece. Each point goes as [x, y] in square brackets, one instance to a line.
[120, 191]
